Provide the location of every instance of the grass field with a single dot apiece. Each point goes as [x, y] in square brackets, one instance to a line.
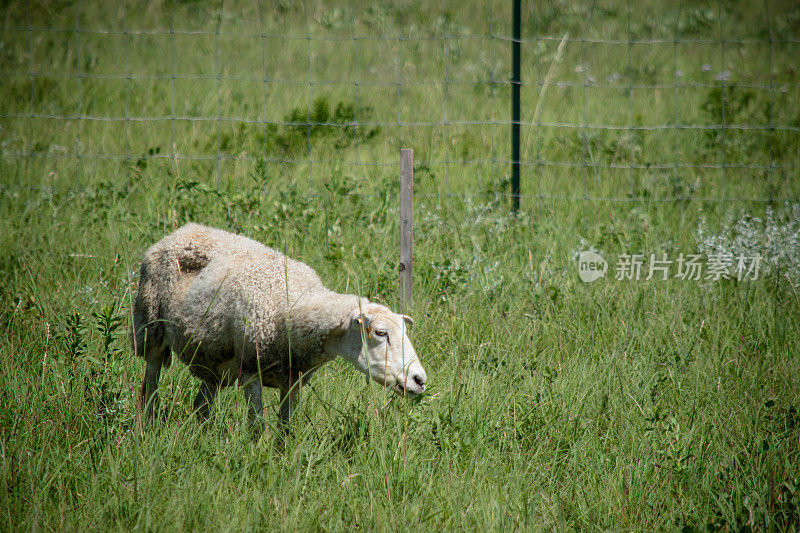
[552, 403]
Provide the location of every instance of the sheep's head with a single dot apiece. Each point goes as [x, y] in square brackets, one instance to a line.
[374, 340]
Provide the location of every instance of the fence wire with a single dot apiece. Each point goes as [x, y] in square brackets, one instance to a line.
[624, 101]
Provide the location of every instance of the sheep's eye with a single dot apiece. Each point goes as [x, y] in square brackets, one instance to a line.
[381, 333]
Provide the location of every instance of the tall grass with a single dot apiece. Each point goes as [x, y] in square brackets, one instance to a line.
[553, 404]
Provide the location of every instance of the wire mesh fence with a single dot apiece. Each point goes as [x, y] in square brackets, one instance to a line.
[629, 101]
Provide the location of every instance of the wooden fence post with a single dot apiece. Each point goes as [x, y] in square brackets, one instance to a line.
[406, 228]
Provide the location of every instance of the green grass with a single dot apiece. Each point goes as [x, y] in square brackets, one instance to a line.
[553, 404]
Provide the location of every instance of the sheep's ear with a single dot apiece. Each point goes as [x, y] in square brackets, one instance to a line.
[408, 320]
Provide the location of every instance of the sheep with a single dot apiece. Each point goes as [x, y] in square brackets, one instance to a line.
[234, 310]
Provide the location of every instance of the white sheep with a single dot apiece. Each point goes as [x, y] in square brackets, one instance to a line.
[234, 310]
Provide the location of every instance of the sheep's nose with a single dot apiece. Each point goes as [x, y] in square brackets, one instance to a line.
[420, 381]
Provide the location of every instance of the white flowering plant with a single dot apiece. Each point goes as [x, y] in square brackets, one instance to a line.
[775, 238]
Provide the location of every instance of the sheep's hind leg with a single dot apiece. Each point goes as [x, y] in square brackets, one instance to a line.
[252, 391]
[154, 359]
[204, 400]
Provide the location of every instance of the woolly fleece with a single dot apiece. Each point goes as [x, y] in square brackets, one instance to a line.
[228, 305]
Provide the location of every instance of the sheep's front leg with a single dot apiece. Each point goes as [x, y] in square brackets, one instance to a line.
[154, 358]
[289, 399]
[252, 391]
[203, 400]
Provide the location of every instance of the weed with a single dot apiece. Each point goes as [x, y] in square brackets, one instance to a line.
[102, 373]
[73, 333]
[775, 240]
[454, 277]
[305, 127]
[108, 323]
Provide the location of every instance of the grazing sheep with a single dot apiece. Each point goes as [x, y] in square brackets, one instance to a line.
[235, 310]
